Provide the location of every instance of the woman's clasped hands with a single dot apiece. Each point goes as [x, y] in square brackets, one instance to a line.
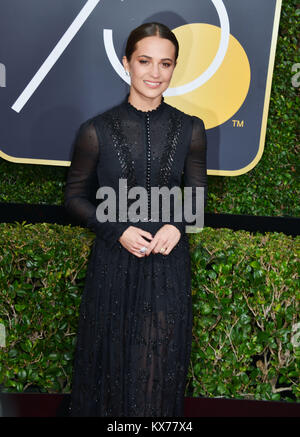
[134, 239]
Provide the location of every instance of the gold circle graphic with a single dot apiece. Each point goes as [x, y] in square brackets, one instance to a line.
[218, 99]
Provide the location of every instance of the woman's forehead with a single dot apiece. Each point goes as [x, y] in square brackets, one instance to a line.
[155, 46]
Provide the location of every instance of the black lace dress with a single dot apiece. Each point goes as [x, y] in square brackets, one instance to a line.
[135, 326]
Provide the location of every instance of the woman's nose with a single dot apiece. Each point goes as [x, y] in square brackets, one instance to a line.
[155, 70]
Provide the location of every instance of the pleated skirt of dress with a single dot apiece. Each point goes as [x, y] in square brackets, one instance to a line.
[134, 334]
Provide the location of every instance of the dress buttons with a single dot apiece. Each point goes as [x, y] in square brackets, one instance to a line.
[148, 154]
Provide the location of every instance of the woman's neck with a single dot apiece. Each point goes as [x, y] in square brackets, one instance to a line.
[143, 103]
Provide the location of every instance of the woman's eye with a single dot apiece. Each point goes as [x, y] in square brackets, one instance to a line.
[143, 61]
[166, 64]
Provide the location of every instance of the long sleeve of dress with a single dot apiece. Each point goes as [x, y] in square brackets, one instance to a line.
[195, 169]
[81, 185]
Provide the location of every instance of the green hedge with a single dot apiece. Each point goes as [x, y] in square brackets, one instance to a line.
[245, 300]
[271, 188]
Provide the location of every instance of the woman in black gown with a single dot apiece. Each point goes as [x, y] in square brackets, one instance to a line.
[135, 326]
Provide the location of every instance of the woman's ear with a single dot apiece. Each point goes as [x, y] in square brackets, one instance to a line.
[125, 64]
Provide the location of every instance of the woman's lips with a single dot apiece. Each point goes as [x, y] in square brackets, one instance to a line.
[152, 84]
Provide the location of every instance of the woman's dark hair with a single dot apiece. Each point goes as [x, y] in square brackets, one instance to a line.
[150, 29]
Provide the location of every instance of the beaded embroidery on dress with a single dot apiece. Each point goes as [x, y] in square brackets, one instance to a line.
[135, 325]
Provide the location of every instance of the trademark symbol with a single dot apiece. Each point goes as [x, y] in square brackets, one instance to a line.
[238, 123]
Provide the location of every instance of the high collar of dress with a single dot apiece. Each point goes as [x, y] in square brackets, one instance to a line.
[139, 112]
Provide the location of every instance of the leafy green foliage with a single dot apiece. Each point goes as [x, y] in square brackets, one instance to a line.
[29, 183]
[245, 302]
[246, 305]
[42, 271]
[271, 188]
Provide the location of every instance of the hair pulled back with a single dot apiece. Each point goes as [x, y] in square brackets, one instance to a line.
[150, 29]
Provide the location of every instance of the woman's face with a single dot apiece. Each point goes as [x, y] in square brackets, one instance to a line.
[151, 67]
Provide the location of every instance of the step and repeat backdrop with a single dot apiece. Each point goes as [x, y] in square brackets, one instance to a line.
[60, 64]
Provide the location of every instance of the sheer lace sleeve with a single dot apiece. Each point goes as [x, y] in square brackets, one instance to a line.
[195, 168]
[81, 185]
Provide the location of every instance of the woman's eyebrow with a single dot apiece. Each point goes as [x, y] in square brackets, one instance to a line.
[149, 57]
